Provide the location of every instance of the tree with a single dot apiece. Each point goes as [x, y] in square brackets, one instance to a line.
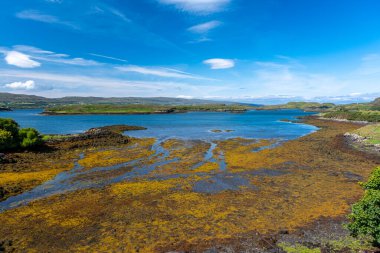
[365, 216]
[29, 137]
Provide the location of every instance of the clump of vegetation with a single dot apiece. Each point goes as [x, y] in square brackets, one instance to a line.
[365, 216]
[371, 133]
[306, 106]
[141, 108]
[12, 137]
[370, 116]
[297, 248]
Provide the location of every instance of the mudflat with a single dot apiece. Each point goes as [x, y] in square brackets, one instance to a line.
[142, 195]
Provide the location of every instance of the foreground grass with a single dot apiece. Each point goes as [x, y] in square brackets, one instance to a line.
[371, 133]
[141, 109]
[346, 244]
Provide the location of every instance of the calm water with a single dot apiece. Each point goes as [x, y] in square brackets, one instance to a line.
[195, 125]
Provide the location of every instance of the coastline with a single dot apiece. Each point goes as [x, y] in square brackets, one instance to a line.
[140, 113]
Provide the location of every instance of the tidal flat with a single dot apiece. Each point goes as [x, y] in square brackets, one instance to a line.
[122, 194]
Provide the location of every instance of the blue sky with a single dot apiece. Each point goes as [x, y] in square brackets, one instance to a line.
[244, 50]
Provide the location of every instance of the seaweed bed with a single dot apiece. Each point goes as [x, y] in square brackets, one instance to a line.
[108, 192]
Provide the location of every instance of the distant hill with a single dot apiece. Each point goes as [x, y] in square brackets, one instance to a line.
[306, 106]
[31, 101]
[376, 102]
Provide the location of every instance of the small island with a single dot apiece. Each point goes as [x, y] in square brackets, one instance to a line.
[5, 109]
[142, 109]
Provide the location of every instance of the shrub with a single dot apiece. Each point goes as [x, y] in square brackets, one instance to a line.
[5, 139]
[29, 137]
[9, 125]
[365, 216]
[11, 136]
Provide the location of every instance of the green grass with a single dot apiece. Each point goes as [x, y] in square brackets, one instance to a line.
[297, 248]
[345, 244]
[307, 106]
[140, 109]
[349, 244]
[51, 137]
[371, 132]
[354, 115]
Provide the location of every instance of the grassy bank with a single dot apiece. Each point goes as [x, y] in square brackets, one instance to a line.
[141, 109]
[354, 115]
[306, 106]
[369, 112]
[371, 133]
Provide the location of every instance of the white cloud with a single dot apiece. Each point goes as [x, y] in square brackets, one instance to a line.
[20, 60]
[45, 18]
[204, 27]
[218, 63]
[82, 80]
[23, 55]
[28, 85]
[197, 6]
[161, 72]
[63, 84]
[185, 97]
[293, 80]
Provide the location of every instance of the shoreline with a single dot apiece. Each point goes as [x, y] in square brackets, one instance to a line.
[139, 113]
[346, 120]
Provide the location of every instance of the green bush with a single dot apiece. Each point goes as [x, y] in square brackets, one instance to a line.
[365, 216]
[29, 137]
[11, 136]
[9, 125]
[5, 139]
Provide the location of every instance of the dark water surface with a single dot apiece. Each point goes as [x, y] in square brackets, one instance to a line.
[193, 125]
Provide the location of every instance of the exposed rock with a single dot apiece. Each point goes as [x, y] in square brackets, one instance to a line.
[361, 143]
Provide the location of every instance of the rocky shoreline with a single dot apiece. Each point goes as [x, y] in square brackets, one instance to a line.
[360, 142]
[345, 120]
[5, 109]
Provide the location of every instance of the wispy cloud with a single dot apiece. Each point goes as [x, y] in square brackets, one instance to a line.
[204, 27]
[185, 97]
[27, 85]
[161, 72]
[36, 15]
[54, 1]
[108, 57]
[53, 84]
[218, 63]
[198, 6]
[25, 56]
[370, 65]
[290, 79]
[20, 60]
